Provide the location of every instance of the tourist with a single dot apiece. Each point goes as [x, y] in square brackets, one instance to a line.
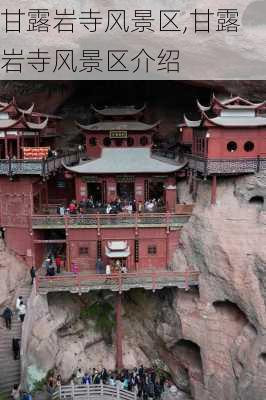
[111, 381]
[15, 394]
[72, 207]
[16, 348]
[78, 376]
[19, 299]
[140, 207]
[58, 262]
[22, 311]
[108, 269]
[104, 376]
[7, 315]
[32, 274]
[58, 380]
[134, 206]
[50, 266]
[86, 380]
[100, 269]
[108, 208]
[51, 385]
[123, 269]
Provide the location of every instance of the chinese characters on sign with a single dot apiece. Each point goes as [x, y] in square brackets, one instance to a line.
[91, 61]
[64, 20]
[59, 39]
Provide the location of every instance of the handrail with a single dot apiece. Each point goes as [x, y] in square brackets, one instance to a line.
[155, 278]
[110, 219]
[92, 391]
[42, 167]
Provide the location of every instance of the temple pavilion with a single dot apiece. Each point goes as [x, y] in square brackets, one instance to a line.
[227, 139]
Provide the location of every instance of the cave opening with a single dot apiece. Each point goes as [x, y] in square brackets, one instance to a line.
[257, 200]
[189, 362]
[231, 311]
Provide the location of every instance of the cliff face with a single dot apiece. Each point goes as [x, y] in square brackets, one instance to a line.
[212, 340]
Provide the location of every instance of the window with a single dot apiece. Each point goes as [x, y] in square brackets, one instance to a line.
[143, 141]
[92, 141]
[249, 146]
[152, 250]
[83, 251]
[107, 141]
[231, 146]
[130, 141]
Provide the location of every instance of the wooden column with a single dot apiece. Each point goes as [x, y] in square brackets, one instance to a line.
[119, 331]
[18, 147]
[213, 190]
[6, 147]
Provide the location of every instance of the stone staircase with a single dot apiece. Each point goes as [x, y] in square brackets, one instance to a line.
[10, 368]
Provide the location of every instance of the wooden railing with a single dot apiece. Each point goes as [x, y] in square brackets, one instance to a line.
[226, 166]
[83, 282]
[42, 167]
[94, 392]
[186, 209]
[108, 220]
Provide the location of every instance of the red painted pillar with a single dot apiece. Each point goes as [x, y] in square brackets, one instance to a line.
[119, 331]
[214, 189]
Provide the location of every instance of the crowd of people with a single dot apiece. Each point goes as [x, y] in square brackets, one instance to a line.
[20, 312]
[145, 382]
[53, 264]
[87, 205]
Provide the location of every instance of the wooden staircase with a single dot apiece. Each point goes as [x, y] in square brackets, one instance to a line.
[10, 368]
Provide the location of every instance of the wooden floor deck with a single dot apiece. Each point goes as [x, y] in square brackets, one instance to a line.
[85, 282]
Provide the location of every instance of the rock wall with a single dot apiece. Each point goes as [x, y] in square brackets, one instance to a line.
[212, 339]
[12, 272]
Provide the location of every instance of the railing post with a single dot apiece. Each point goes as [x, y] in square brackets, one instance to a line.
[153, 281]
[88, 391]
[60, 392]
[186, 280]
[118, 393]
[73, 391]
[102, 388]
[258, 163]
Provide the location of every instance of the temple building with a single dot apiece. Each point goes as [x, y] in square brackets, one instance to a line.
[121, 167]
[27, 138]
[228, 139]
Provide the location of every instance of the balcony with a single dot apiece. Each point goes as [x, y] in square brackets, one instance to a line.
[84, 282]
[43, 167]
[98, 221]
[226, 166]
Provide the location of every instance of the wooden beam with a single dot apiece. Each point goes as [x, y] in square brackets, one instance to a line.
[119, 332]
[50, 241]
[214, 190]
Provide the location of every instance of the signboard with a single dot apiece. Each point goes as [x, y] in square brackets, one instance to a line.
[91, 178]
[125, 178]
[118, 134]
[35, 153]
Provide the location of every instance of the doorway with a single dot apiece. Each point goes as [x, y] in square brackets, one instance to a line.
[126, 191]
[95, 190]
[156, 190]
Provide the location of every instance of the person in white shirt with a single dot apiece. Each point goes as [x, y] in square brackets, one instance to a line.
[108, 269]
[22, 311]
[108, 209]
[19, 299]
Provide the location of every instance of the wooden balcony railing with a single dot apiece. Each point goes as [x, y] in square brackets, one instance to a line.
[226, 166]
[42, 167]
[107, 220]
[84, 282]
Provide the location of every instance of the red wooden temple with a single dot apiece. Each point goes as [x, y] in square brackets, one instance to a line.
[228, 139]
[118, 170]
